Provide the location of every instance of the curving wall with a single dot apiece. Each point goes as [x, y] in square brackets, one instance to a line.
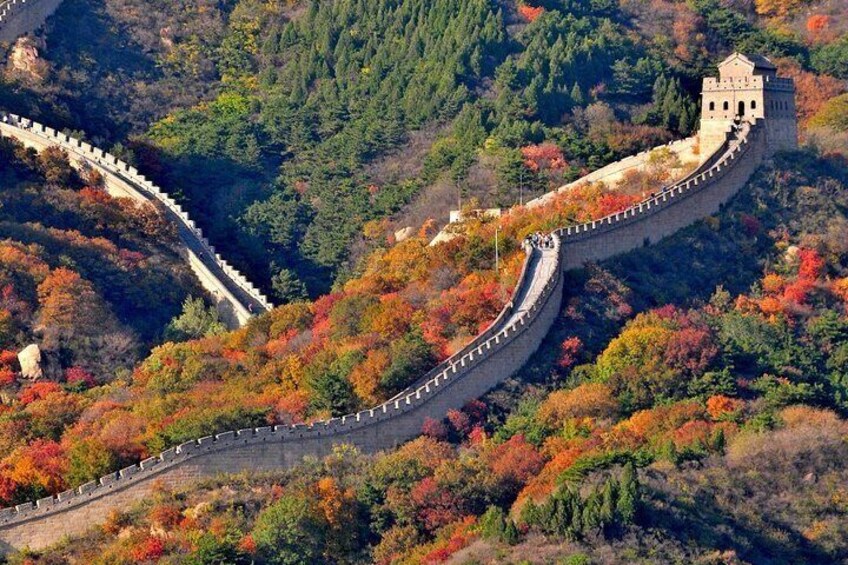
[20, 17]
[493, 356]
[237, 298]
[685, 149]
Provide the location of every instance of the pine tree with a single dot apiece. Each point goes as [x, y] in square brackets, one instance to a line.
[561, 519]
[592, 513]
[609, 495]
[576, 528]
[529, 514]
[628, 497]
[510, 534]
[492, 524]
[577, 95]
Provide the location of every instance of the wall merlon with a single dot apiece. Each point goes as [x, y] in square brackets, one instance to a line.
[66, 495]
[87, 487]
[128, 471]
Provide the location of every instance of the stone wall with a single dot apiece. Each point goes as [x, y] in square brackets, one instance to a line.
[236, 296]
[699, 195]
[686, 150]
[492, 357]
[21, 17]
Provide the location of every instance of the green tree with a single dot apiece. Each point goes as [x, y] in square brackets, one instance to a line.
[195, 321]
[290, 532]
[628, 496]
[288, 287]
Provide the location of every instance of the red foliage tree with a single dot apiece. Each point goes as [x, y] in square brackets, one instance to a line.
[811, 264]
[543, 156]
[569, 351]
[434, 429]
[434, 506]
[530, 13]
[515, 461]
[78, 375]
[818, 25]
[460, 422]
[38, 391]
[150, 548]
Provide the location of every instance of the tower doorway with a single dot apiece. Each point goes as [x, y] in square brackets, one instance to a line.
[741, 111]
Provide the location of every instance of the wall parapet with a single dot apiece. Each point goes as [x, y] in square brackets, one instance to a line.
[715, 169]
[533, 299]
[445, 375]
[146, 188]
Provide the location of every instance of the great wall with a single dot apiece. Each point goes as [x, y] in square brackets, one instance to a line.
[237, 298]
[734, 147]
[20, 17]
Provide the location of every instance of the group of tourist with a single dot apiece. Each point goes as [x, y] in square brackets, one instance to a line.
[540, 240]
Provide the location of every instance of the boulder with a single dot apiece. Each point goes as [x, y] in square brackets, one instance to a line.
[30, 360]
[404, 233]
[26, 60]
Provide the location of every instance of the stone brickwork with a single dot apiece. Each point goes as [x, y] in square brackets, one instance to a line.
[22, 17]
[748, 89]
[237, 298]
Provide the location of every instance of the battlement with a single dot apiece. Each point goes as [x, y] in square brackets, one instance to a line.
[214, 272]
[21, 17]
[494, 355]
[490, 358]
[753, 82]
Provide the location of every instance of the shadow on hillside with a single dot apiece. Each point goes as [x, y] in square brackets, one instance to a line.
[699, 521]
[729, 249]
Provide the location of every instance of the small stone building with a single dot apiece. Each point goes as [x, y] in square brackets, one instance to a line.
[748, 88]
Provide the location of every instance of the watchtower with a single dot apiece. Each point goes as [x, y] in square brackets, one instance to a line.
[748, 88]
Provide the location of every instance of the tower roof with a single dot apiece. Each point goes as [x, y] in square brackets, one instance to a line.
[738, 64]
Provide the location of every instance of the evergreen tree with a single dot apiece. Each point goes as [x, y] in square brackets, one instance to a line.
[492, 523]
[510, 535]
[628, 497]
[577, 95]
[609, 495]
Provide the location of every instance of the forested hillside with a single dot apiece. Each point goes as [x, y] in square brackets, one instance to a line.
[688, 406]
[379, 108]
[668, 418]
[79, 269]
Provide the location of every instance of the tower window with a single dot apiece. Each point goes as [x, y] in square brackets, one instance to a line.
[753, 104]
[741, 111]
[712, 106]
[726, 105]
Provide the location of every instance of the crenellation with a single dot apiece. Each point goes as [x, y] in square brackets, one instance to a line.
[87, 487]
[149, 463]
[127, 472]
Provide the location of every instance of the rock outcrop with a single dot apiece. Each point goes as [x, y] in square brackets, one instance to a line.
[30, 359]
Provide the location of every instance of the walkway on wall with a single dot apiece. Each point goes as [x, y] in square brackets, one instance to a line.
[539, 271]
[237, 298]
[494, 355]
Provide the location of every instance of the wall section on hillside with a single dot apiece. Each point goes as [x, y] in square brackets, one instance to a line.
[21, 17]
[236, 297]
[491, 358]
